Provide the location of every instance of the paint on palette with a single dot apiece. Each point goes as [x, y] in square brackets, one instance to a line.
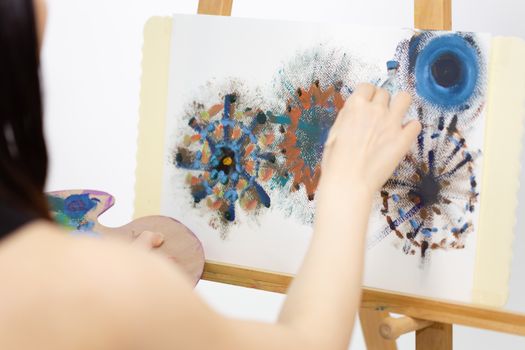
[73, 211]
[229, 156]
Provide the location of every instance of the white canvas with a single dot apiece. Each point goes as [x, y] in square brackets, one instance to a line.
[213, 56]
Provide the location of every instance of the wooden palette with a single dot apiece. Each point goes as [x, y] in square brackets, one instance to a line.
[79, 210]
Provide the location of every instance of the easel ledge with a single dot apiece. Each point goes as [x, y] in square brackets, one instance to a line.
[374, 299]
[379, 329]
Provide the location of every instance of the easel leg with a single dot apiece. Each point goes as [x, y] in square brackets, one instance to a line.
[215, 7]
[370, 321]
[435, 15]
[436, 337]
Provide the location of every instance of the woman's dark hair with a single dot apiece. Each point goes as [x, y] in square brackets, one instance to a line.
[23, 154]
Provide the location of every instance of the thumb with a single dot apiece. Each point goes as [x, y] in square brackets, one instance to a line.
[409, 134]
[149, 240]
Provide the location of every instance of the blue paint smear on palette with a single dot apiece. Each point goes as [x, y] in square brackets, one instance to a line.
[71, 212]
[446, 70]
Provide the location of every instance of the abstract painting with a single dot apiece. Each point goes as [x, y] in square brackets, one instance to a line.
[241, 150]
[246, 126]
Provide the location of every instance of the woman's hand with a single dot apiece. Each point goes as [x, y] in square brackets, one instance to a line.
[368, 140]
[365, 145]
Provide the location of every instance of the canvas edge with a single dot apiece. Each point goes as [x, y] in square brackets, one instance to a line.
[152, 116]
[501, 165]
[493, 252]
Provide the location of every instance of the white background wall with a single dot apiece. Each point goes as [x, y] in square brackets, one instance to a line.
[91, 65]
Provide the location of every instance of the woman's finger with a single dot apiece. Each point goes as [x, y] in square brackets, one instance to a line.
[409, 134]
[333, 129]
[364, 90]
[400, 104]
[381, 97]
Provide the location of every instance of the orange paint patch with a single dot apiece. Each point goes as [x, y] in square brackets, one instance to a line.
[250, 204]
[339, 102]
[266, 174]
[195, 138]
[195, 180]
[215, 109]
[270, 138]
[325, 96]
[216, 205]
[249, 166]
[241, 184]
[205, 154]
[236, 133]
[249, 149]
[219, 132]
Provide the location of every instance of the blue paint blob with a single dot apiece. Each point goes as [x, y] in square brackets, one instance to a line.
[78, 205]
[446, 71]
[230, 213]
[199, 195]
[263, 196]
[392, 65]
[426, 232]
[231, 195]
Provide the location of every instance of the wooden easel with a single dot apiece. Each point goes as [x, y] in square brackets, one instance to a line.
[432, 320]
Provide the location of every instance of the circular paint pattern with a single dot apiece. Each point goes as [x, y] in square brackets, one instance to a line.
[429, 201]
[309, 117]
[446, 70]
[310, 90]
[230, 155]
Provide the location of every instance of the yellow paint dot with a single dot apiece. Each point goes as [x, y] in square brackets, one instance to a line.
[227, 161]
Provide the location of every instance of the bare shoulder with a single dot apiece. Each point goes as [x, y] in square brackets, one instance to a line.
[108, 292]
[84, 293]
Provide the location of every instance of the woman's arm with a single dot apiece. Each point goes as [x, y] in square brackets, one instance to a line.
[66, 293]
[365, 145]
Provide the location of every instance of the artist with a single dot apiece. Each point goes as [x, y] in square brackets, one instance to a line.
[61, 293]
